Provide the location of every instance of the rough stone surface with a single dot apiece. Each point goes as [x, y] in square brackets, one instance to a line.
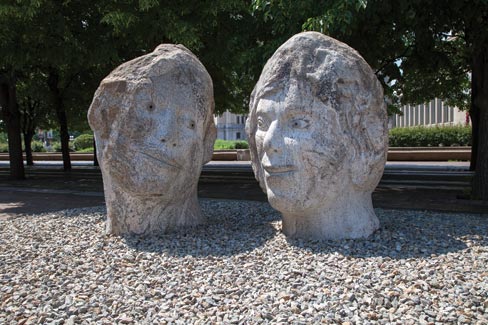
[420, 267]
[318, 137]
[153, 124]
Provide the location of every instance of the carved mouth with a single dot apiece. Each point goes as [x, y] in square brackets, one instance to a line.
[280, 170]
[165, 161]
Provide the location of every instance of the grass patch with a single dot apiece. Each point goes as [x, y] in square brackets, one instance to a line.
[230, 144]
[86, 150]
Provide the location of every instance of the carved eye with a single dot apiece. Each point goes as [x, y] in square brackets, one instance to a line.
[191, 125]
[150, 107]
[299, 123]
[262, 124]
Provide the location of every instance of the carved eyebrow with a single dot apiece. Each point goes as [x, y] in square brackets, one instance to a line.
[266, 110]
[297, 110]
[269, 91]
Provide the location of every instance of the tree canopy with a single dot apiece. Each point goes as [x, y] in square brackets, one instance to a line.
[218, 32]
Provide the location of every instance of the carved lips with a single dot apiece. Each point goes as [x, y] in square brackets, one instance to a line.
[282, 170]
[162, 159]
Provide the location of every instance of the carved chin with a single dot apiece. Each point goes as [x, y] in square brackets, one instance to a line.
[165, 183]
[148, 177]
[146, 187]
[287, 202]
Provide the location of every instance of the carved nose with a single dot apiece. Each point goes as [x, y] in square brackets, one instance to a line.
[169, 133]
[273, 140]
[171, 143]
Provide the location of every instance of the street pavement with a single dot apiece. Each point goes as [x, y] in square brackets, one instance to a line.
[458, 165]
[45, 193]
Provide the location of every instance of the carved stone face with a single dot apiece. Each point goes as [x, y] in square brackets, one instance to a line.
[161, 149]
[301, 148]
[152, 118]
[318, 137]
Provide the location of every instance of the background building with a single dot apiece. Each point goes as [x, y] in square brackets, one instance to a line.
[230, 126]
[435, 112]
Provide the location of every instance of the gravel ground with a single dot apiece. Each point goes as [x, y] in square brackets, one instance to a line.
[420, 267]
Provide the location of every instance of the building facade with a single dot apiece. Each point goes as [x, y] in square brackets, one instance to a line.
[230, 126]
[433, 113]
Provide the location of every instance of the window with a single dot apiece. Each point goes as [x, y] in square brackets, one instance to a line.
[238, 135]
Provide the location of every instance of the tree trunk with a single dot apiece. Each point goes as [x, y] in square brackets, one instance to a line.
[474, 116]
[11, 117]
[479, 110]
[63, 132]
[95, 159]
[53, 82]
[28, 148]
[28, 126]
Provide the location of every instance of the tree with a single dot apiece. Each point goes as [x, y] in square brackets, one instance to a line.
[419, 50]
[34, 109]
[28, 126]
[73, 44]
[73, 49]
[437, 47]
[34, 39]
[67, 44]
[11, 117]
[13, 21]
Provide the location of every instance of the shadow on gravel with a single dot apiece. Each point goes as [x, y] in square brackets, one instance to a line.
[233, 227]
[30, 202]
[409, 234]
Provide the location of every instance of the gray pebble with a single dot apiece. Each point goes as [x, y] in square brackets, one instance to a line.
[420, 267]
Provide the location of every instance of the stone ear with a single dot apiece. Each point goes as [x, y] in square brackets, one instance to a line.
[105, 107]
[208, 142]
[360, 168]
[367, 168]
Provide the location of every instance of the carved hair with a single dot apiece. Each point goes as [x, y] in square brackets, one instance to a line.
[341, 78]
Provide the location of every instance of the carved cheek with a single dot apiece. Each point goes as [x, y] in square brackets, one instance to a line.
[259, 138]
[141, 130]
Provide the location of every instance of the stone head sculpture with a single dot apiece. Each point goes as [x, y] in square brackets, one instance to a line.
[318, 137]
[153, 123]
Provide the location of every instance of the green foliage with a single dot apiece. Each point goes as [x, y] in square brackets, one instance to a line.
[223, 144]
[57, 52]
[3, 137]
[37, 146]
[56, 146]
[241, 145]
[418, 49]
[33, 103]
[86, 150]
[430, 136]
[230, 144]
[338, 16]
[83, 141]
[3, 147]
[219, 32]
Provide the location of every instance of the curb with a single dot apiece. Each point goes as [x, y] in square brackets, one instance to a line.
[394, 154]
